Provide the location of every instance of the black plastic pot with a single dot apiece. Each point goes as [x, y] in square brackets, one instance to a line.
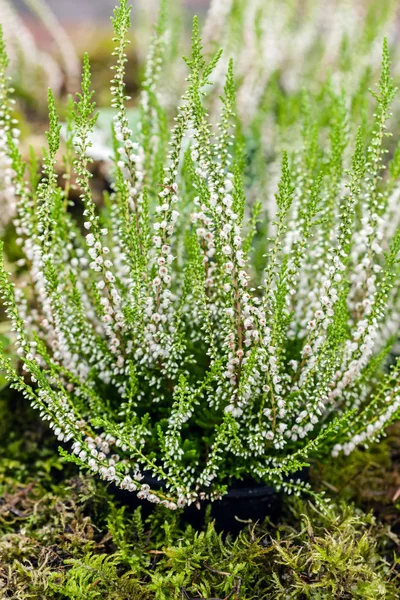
[246, 501]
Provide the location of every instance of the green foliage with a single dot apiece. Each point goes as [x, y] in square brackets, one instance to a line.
[337, 559]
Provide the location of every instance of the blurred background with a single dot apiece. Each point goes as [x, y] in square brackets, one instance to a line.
[46, 39]
[72, 11]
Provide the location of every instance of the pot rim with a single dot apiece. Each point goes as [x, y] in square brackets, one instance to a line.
[255, 491]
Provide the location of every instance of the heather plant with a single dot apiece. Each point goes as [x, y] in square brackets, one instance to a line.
[280, 50]
[167, 356]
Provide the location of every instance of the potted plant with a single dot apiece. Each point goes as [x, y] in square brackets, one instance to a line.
[153, 343]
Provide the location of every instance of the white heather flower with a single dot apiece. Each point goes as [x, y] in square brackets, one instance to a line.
[234, 410]
[90, 239]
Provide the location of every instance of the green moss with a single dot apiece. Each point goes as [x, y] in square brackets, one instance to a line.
[76, 544]
[369, 477]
